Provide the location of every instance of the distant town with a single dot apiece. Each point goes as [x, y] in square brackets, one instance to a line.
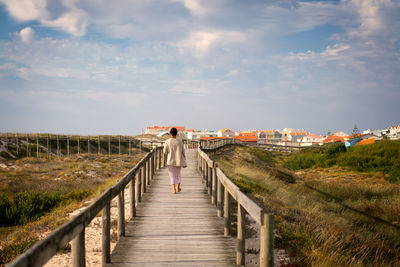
[287, 136]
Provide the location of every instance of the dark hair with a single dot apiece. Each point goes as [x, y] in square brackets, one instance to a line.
[173, 131]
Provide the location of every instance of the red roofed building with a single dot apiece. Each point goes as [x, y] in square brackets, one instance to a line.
[155, 130]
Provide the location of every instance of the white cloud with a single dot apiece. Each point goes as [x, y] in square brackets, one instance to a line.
[26, 10]
[26, 35]
[72, 20]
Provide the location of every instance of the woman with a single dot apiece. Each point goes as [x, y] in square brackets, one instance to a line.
[176, 159]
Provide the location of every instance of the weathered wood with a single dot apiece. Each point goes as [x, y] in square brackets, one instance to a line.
[139, 186]
[228, 184]
[227, 212]
[106, 238]
[78, 250]
[121, 214]
[175, 229]
[48, 147]
[255, 211]
[267, 241]
[67, 145]
[37, 146]
[220, 208]
[119, 145]
[109, 145]
[27, 145]
[214, 185]
[132, 196]
[240, 249]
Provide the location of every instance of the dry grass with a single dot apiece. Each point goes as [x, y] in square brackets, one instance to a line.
[327, 217]
[91, 173]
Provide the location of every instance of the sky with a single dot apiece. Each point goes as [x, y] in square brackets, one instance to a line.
[115, 67]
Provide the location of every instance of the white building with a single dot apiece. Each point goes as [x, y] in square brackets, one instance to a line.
[195, 135]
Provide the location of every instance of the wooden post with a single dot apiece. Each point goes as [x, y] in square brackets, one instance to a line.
[98, 145]
[132, 191]
[139, 186]
[209, 176]
[109, 145]
[130, 145]
[37, 146]
[48, 147]
[58, 145]
[144, 177]
[121, 214]
[106, 251]
[219, 199]
[119, 145]
[67, 145]
[16, 142]
[27, 145]
[214, 185]
[206, 175]
[78, 250]
[79, 145]
[240, 248]
[148, 171]
[267, 241]
[88, 144]
[227, 213]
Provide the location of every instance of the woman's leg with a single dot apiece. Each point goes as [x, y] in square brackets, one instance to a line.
[173, 189]
[179, 187]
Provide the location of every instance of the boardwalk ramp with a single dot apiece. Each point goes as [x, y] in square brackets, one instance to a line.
[175, 229]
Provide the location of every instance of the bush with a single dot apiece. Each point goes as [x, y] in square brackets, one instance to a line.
[302, 161]
[28, 206]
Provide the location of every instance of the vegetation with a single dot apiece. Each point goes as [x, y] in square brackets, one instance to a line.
[37, 195]
[333, 216]
[382, 156]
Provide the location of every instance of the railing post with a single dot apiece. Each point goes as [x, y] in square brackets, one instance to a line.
[133, 200]
[106, 251]
[214, 184]
[209, 179]
[240, 249]
[78, 250]
[148, 170]
[227, 213]
[219, 198]
[206, 175]
[144, 182]
[121, 214]
[139, 185]
[267, 241]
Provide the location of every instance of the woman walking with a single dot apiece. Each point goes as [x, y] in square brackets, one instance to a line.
[176, 159]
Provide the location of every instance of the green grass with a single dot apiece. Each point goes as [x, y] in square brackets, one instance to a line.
[351, 219]
[383, 156]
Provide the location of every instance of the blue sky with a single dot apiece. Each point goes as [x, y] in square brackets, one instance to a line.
[115, 67]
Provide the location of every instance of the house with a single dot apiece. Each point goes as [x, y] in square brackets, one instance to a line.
[156, 130]
[365, 142]
[196, 135]
[296, 136]
[334, 139]
[226, 133]
[312, 139]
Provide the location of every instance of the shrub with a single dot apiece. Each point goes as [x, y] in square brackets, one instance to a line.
[28, 206]
[302, 161]
[10, 252]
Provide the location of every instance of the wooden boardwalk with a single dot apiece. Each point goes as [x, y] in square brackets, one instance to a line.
[175, 230]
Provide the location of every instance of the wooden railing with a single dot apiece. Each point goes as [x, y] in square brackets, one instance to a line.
[222, 190]
[139, 178]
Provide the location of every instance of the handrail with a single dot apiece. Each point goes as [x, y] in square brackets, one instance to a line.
[222, 191]
[139, 176]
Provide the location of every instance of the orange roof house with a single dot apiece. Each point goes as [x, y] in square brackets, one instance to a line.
[366, 142]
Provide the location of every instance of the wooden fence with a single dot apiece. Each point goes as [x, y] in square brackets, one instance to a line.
[139, 178]
[222, 190]
[48, 145]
